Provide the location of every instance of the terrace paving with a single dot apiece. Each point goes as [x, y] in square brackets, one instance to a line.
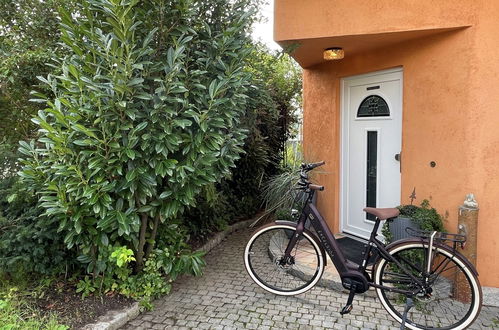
[225, 297]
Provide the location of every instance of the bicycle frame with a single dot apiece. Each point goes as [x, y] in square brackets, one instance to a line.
[350, 273]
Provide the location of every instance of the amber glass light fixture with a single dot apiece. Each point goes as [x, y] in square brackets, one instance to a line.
[334, 53]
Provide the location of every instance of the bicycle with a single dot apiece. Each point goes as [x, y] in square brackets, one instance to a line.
[423, 282]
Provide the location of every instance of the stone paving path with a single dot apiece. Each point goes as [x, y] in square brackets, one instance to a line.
[225, 297]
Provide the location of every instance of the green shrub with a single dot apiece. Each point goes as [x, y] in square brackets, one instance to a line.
[145, 113]
[212, 213]
[29, 241]
[261, 159]
[29, 38]
[171, 258]
[274, 101]
[269, 118]
[153, 102]
[425, 216]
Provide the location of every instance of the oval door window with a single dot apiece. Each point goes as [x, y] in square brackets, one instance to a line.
[373, 106]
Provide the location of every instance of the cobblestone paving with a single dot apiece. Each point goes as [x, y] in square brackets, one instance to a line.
[225, 297]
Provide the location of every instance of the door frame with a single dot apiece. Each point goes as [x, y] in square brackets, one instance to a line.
[343, 204]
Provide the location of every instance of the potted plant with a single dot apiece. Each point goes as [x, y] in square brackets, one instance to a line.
[422, 217]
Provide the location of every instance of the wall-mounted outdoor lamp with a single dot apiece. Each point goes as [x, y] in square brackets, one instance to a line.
[334, 53]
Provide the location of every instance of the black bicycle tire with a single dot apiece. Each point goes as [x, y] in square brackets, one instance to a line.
[258, 280]
[476, 304]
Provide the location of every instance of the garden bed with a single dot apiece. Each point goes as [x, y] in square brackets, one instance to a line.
[71, 310]
[56, 306]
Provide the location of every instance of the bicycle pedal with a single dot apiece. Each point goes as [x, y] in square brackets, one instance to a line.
[347, 309]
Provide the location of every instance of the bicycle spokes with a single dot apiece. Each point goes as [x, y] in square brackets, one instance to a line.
[447, 297]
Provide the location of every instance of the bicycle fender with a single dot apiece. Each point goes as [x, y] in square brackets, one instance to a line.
[312, 235]
[442, 246]
[283, 222]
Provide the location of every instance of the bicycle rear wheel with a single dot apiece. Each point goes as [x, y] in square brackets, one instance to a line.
[451, 300]
[264, 260]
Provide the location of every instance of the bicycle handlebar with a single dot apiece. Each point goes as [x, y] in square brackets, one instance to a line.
[304, 183]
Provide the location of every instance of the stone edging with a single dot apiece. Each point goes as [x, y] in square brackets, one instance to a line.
[219, 237]
[115, 319]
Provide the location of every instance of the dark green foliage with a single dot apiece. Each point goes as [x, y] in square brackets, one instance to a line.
[212, 214]
[275, 98]
[242, 190]
[284, 214]
[425, 216]
[147, 105]
[29, 242]
[270, 113]
[29, 36]
[144, 116]
[387, 234]
[8, 160]
[170, 258]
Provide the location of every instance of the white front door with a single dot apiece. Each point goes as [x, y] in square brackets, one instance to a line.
[371, 143]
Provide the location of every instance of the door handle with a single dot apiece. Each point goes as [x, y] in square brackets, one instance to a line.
[398, 158]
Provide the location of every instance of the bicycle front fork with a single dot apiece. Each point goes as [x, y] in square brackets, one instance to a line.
[293, 240]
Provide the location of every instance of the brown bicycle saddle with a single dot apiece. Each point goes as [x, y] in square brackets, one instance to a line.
[382, 214]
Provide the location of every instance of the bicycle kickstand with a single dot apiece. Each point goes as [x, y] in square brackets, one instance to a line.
[408, 304]
[348, 307]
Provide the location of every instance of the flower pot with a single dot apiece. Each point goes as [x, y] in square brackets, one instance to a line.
[398, 227]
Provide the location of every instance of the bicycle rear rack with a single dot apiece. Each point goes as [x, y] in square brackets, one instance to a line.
[440, 237]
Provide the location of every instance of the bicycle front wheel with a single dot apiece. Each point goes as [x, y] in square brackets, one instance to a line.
[451, 298]
[264, 260]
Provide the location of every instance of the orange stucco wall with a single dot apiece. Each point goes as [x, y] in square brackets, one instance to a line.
[450, 105]
[296, 19]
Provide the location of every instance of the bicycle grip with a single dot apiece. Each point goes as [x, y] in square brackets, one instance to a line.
[316, 187]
